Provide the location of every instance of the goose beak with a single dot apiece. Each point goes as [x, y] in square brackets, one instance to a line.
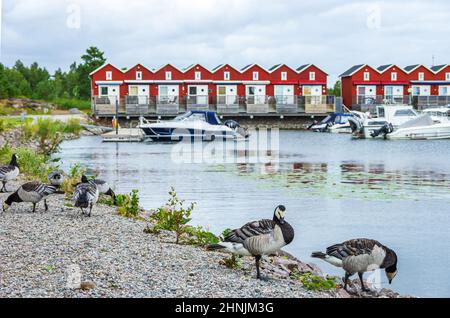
[390, 282]
[5, 207]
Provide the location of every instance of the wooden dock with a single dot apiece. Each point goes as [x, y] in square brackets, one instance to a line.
[124, 135]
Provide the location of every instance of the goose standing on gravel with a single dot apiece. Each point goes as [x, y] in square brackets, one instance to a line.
[31, 192]
[56, 178]
[360, 256]
[9, 172]
[103, 187]
[259, 238]
[85, 196]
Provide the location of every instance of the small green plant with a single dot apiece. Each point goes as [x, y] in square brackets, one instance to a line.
[174, 216]
[48, 268]
[128, 204]
[76, 171]
[233, 262]
[200, 237]
[315, 283]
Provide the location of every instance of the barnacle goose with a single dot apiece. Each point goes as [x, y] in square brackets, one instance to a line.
[103, 186]
[9, 172]
[32, 192]
[85, 196]
[360, 256]
[56, 178]
[259, 238]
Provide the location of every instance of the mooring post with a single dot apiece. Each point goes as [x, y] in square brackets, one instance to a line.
[117, 116]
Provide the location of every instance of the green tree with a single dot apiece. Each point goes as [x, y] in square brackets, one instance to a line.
[336, 90]
[93, 59]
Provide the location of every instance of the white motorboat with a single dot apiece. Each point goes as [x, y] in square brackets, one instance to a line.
[366, 126]
[335, 123]
[204, 125]
[438, 114]
[421, 128]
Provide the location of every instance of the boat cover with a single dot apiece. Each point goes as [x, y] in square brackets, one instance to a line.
[420, 121]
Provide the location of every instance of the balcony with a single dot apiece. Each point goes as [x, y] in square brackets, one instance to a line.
[105, 106]
[167, 105]
[197, 102]
[423, 102]
[227, 104]
[137, 105]
[366, 103]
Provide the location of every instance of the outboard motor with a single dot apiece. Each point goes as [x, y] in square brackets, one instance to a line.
[385, 130]
[237, 128]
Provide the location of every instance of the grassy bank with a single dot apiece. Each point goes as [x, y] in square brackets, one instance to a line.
[17, 106]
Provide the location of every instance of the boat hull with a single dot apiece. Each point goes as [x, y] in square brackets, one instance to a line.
[433, 132]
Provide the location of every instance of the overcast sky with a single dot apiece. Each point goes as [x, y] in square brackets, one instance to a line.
[332, 34]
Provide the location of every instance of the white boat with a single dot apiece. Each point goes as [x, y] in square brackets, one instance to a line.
[421, 128]
[205, 125]
[438, 114]
[366, 126]
[335, 123]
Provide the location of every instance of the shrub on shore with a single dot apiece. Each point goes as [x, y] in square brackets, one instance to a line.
[174, 216]
[315, 283]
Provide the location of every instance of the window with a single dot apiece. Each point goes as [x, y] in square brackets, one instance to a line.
[226, 76]
[104, 91]
[198, 75]
[416, 90]
[168, 76]
[284, 76]
[255, 76]
[192, 90]
[312, 76]
[366, 76]
[222, 90]
[109, 76]
[421, 76]
[404, 112]
[393, 76]
[447, 76]
[444, 90]
[134, 90]
[139, 75]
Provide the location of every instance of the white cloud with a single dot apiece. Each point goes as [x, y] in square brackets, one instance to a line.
[331, 34]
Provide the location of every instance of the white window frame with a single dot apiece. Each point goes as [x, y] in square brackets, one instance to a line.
[421, 76]
[168, 76]
[284, 76]
[394, 76]
[108, 75]
[446, 87]
[366, 76]
[256, 76]
[139, 75]
[312, 76]
[198, 76]
[447, 76]
[226, 76]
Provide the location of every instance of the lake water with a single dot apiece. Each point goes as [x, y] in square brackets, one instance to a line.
[334, 189]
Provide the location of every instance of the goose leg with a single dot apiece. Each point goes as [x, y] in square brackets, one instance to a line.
[3, 190]
[362, 282]
[347, 276]
[46, 205]
[34, 207]
[90, 210]
[257, 259]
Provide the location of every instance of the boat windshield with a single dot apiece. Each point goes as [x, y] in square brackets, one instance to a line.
[183, 117]
[326, 120]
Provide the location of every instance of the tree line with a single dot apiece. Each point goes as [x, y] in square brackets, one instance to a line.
[36, 82]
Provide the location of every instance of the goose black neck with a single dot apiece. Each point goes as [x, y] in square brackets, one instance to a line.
[287, 230]
[14, 162]
[390, 261]
[13, 198]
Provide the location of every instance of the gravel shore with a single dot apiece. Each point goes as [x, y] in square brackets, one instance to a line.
[116, 259]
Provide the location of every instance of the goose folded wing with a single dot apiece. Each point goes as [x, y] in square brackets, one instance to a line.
[250, 230]
[352, 248]
[4, 170]
[37, 187]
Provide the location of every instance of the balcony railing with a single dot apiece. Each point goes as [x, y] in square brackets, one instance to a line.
[367, 103]
[231, 104]
[423, 102]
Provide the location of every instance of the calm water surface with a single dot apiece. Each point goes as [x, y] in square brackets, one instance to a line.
[334, 189]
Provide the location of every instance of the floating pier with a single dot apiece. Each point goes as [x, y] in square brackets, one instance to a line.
[124, 135]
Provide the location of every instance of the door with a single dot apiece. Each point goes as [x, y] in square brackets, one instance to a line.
[256, 94]
[226, 95]
[198, 94]
[367, 94]
[284, 94]
[421, 90]
[168, 94]
[141, 92]
[112, 92]
[393, 93]
[312, 90]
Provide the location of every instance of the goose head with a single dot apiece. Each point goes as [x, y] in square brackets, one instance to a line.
[14, 160]
[12, 198]
[84, 179]
[279, 214]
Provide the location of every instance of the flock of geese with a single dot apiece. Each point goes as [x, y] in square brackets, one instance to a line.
[256, 239]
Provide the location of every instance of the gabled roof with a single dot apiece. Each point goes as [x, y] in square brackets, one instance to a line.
[139, 64]
[168, 64]
[250, 66]
[218, 67]
[383, 68]
[410, 68]
[276, 67]
[194, 65]
[304, 67]
[352, 70]
[103, 66]
[437, 68]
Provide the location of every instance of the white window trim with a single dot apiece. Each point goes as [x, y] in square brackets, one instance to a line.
[394, 76]
[421, 76]
[168, 76]
[226, 76]
[366, 76]
[109, 76]
[284, 76]
[139, 75]
[256, 76]
[198, 76]
[447, 76]
[312, 76]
